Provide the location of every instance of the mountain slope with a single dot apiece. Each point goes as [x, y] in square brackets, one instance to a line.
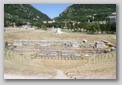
[22, 13]
[83, 12]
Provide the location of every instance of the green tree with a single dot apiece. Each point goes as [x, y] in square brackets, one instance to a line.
[44, 27]
[113, 27]
[108, 27]
[102, 28]
[83, 25]
[19, 23]
[37, 24]
[93, 28]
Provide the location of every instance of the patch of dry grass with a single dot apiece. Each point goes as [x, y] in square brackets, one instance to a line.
[59, 64]
[26, 34]
[48, 66]
[14, 63]
[15, 67]
[105, 66]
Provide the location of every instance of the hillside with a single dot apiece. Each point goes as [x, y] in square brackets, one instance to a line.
[83, 12]
[22, 13]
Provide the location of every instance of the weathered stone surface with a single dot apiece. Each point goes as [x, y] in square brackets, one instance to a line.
[64, 43]
[6, 44]
[100, 45]
[68, 52]
[48, 49]
[43, 43]
[75, 44]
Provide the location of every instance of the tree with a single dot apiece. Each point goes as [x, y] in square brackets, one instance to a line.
[19, 23]
[37, 24]
[113, 27]
[69, 25]
[102, 28]
[72, 26]
[108, 27]
[82, 25]
[6, 24]
[44, 27]
[93, 28]
[76, 27]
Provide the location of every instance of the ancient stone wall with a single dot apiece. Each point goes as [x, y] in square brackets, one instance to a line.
[64, 43]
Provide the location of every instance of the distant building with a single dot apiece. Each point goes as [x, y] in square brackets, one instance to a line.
[112, 18]
[102, 22]
[44, 21]
[50, 21]
[75, 22]
[114, 13]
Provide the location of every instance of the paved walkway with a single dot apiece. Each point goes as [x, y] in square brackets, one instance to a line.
[61, 75]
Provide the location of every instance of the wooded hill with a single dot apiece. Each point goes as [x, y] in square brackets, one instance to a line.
[85, 12]
[22, 13]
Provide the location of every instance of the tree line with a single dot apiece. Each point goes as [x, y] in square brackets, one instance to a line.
[90, 28]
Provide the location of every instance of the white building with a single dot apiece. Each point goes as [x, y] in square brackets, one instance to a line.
[50, 21]
[112, 18]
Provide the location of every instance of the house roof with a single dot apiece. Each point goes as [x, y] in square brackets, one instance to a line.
[112, 17]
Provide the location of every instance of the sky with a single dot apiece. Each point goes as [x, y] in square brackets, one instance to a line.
[51, 10]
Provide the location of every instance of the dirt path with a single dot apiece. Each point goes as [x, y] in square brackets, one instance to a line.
[13, 76]
[61, 75]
